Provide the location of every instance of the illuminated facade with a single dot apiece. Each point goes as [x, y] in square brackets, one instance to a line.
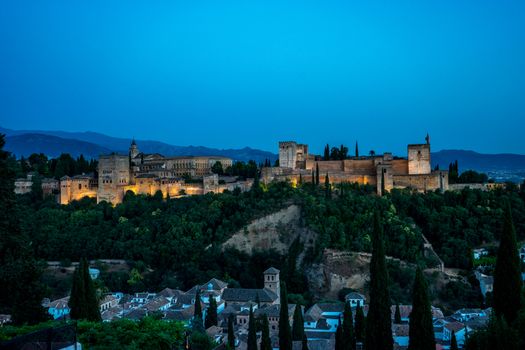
[143, 173]
[411, 172]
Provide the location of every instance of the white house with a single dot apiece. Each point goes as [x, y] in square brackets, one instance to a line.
[355, 299]
[59, 308]
[463, 315]
[479, 253]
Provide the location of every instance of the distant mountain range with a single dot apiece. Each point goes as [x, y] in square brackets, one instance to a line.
[92, 144]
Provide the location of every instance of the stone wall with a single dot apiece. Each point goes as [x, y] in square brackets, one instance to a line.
[419, 159]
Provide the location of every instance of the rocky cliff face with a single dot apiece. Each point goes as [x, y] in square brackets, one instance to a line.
[276, 231]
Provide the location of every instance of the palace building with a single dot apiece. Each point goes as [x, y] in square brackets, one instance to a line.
[144, 173]
[412, 172]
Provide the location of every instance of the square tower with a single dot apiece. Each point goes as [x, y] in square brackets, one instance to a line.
[271, 280]
[419, 159]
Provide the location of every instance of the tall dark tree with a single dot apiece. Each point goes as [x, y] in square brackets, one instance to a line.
[197, 312]
[285, 337]
[356, 150]
[300, 179]
[359, 326]
[304, 345]
[397, 315]
[339, 340]
[327, 187]
[348, 328]
[21, 292]
[326, 152]
[252, 332]
[231, 334]
[313, 177]
[382, 182]
[211, 314]
[378, 323]
[507, 274]
[317, 174]
[298, 324]
[453, 342]
[266, 342]
[83, 300]
[421, 330]
[343, 152]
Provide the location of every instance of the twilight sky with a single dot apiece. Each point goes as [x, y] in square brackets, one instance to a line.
[250, 73]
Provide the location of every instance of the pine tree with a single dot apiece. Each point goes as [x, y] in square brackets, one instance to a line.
[252, 332]
[327, 187]
[326, 152]
[317, 174]
[285, 337]
[453, 342]
[421, 329]
[359, 324]
[266, 342]
[378, 323]
[348, 328]
[231, 335]
[298, 324]
[507, 275]
[211, 314]
[397, 315]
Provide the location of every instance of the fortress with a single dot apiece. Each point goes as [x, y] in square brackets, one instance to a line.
[144, 173]
[412, 172]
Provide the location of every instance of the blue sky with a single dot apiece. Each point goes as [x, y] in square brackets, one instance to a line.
[250, 73]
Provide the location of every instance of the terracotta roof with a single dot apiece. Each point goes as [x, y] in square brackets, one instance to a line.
[454, 326]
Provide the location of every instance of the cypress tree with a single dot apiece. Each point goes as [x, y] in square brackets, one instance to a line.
[339, 341]
[378, 323]
[348, 328]
[327, 187]
[421, 330]
[507, 276]
[231, 335]
[304, 343]
[285, 337]
[356, 150]
[91, 299]
[382, 182]
[252, 335]
[397, 315]
[317, 174]
[211, 314]
[298, 324]
[77, 297]
[313, 177]
[197, 312]
[453, 342]
[83, 300]
[300, 179]
[266, 342]
[327, 152]
[359, 324]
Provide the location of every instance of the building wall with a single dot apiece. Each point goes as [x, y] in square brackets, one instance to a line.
[287, 154]
[113, 176]
[419, 159]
